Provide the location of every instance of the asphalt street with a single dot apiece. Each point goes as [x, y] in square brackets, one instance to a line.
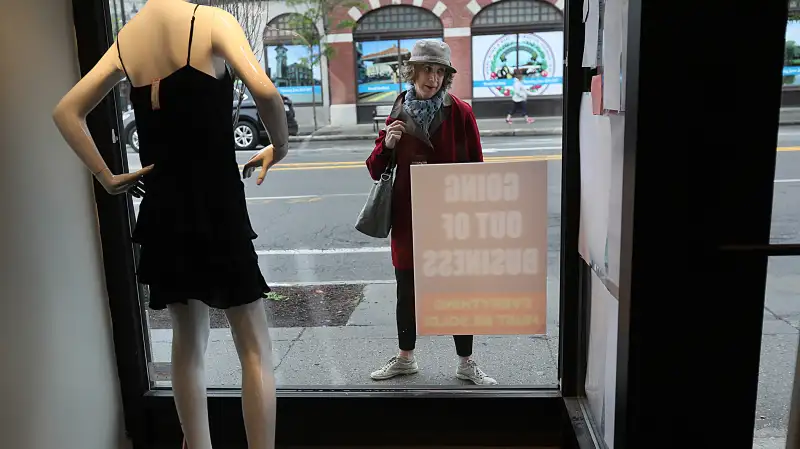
[305, 210]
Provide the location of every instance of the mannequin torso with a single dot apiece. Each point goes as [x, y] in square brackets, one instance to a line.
[162, 27]
[154, 45]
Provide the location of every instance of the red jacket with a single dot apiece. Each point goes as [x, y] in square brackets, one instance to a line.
[454, 138]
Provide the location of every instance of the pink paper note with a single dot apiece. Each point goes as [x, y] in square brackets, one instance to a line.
[597, 94]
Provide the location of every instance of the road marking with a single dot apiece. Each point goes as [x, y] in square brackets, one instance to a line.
[512, 149]
[787, 180]
[267, 199]
[313, 283]
[300, 197]
[516, 142]
[323, 252]
[360, 164]
[353, 164]
[304, 200]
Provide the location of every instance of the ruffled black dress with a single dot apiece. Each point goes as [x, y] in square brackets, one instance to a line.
[193, 227]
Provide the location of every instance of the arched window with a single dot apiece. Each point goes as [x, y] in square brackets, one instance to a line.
[292, 64]
[285, 29]
[383, 39]
[397, 20]
[530, 14]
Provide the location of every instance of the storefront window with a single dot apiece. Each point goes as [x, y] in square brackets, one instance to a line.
[378, 65]
[292, 62]
[290, 69]
[332, 308]
[495, 59]
[383, 41]
[791, 55]
[517, 36]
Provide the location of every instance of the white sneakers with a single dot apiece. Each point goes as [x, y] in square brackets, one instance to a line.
[471, 372]
[400, 366]
[396, 366]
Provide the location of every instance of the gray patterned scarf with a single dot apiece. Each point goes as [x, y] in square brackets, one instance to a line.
[422, 111]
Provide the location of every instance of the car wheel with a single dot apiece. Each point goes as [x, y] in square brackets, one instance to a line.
[245, 136]
[133, 139]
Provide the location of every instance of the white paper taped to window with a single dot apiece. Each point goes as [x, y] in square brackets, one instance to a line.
[614, 242]
[612, 55]
[591, 33]
[595, 143]
[601, 367]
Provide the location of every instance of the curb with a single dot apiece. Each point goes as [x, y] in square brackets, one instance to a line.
[555, 131]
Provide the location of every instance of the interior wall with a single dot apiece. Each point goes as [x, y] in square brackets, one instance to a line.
[58, 381]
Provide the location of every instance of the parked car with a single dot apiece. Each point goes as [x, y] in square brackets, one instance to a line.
[247, 134]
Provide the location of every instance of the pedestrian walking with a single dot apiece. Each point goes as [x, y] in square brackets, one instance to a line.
[519, 97]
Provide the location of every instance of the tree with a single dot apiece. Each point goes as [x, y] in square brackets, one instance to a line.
[304, 29]
[249, 13]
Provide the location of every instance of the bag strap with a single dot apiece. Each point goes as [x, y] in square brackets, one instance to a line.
[392, 162]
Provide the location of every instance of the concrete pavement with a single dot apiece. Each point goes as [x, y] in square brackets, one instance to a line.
[346, 355]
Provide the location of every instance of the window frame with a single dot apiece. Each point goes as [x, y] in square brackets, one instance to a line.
[514, 416]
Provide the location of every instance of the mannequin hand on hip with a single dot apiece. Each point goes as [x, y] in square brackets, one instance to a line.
[264, 159]
[127, 182]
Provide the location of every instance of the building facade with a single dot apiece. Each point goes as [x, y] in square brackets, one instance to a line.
[489, 42]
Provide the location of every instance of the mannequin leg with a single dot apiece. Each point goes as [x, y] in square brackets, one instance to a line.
[251, 337]
[190, 330]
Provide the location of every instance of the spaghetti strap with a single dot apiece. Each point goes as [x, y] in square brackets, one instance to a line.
[191, 34]
[119, 54]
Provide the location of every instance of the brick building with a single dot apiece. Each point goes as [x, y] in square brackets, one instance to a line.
[489, 40]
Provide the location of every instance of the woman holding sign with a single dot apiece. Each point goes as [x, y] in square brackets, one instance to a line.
[427, 125]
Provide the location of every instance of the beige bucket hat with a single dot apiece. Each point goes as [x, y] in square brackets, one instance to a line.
[428, 51]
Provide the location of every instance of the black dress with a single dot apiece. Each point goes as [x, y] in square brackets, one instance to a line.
[195, 234]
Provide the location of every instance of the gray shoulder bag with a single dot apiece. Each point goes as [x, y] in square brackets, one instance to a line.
[375, 219]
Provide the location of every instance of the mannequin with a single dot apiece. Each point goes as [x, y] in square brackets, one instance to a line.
[154, 46]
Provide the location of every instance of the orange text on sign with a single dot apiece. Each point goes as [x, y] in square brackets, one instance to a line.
[481, 315]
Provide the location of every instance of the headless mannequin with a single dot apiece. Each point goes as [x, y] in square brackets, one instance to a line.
[154, 44]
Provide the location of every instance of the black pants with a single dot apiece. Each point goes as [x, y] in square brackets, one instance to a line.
[406, 317]
[521, 106]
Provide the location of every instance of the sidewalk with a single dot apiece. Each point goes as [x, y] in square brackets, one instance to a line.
[345, 355]
[489, 127]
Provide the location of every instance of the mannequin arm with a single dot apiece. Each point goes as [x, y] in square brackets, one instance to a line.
[70, 113]
[230, 43]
